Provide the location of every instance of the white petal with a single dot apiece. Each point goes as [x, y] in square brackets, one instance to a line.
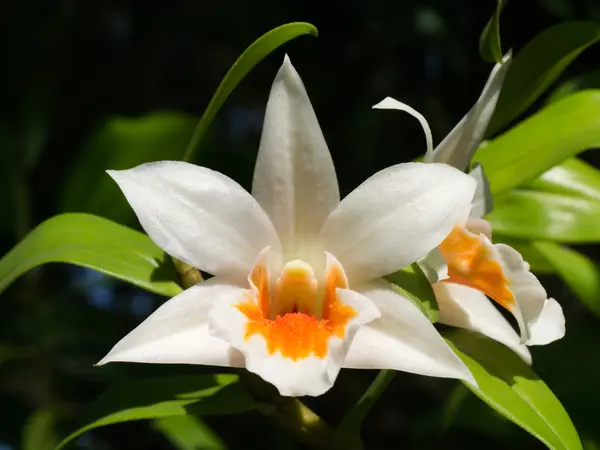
[390, 103]
[460, 145]
[482, 201]
[177, 332]
[479, 226]
[311, 375]
[402, 339]
[198, 215]
[396, 217]
[434, 266]
[529, 294]
[549, 326]
[464, 307]
[294, 178]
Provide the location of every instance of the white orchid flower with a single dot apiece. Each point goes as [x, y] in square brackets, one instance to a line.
[467, 267]
[297, 291]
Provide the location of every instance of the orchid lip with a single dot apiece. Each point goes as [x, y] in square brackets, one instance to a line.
[299, 314]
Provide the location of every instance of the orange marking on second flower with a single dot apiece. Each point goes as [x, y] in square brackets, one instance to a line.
[471, 264]
[295, 331]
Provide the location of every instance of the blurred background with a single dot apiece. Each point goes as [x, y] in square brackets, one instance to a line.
[87, 85]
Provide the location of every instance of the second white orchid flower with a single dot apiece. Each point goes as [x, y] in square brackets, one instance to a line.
[467, 267]
[297, 291]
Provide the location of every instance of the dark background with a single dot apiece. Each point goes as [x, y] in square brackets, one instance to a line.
[69, 66]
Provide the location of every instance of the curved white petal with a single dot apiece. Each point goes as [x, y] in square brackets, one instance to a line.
[434, 266]
[396, 217]
[464, 307]
[307, 375]
[529, 295]
[198, 215]
[294, 178]
[479, 226]
[402, 339]
[177, 332]
[550, 325]
[483, 202]
[460, 145]
[390, 103]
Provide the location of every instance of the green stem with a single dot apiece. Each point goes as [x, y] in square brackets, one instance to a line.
[188, 275]
[289, 413]
[347, 434]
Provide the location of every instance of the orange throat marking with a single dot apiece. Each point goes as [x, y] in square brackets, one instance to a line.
[471, 264]
[294, 333]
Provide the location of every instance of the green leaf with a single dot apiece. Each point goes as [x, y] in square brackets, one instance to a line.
[122, 143]
[580, 273]
[544, 140]
[573, 177]
[347, 433]
[509, 386]
[165, 397]
[38, 432]
[259, 49]
[96, 243]
[538, 65]
[188, 433]
[528, 214]
[589, 80]
[412, 283]
[489, 42]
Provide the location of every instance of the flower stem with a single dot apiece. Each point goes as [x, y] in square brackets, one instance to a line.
[347, 433]
[289, 413]
[188, 275]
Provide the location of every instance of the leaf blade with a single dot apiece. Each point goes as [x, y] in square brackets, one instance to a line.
[544, 140]
[188, 433]
[510, 387]
[412, 284]
[580, 273]
[95, 243]
[162, 397]
[532, 214]
[573, 177]
[255, 53]
[490, 47]
[552, 50]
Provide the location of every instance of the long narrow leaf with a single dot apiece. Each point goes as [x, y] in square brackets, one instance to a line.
[250, 58]
[96, 243]
[509, 386]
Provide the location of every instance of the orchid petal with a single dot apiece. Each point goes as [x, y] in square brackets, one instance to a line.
[464, 307]
[434, 266]
[266, 354]
[482, 201]
[396, 217]
[198, 215]
[177, 332]
[529, 295]
[402, 339]
[498, 271]
[391, 103]
[479, 226]
[294, 178]
[549, 326]
[459, 146]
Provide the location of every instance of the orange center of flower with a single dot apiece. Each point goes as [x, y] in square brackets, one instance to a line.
[297, 318]
[471, 263]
